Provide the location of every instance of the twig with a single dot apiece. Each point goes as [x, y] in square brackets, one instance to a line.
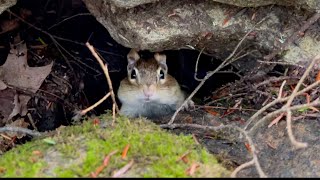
[32, 122]
[83, 112]
[123, 170]
[292, 96]
[271, 80]
[209, 74]
[281, 63]
[106, 72]
[294, 36]
[275, 113]
[314, 115]
[242, 166]
[253, 150]
[294, 93]
[113, 113]
[233, 108]
[274, 102]
[281, 89]
[223, 98]
[21, 130]
[196, 67]
[68, 18]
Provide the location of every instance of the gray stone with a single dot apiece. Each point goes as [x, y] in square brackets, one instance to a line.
[5, 4]
[214, 26]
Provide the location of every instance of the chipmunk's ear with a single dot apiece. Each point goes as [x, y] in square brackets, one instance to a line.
[161, 58]
[133, 56]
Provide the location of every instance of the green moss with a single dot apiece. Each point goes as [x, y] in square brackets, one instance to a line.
[81, 149]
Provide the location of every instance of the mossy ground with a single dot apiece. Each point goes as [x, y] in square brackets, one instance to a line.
[77, 151]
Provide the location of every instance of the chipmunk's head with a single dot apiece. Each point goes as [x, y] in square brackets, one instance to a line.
[148, 75]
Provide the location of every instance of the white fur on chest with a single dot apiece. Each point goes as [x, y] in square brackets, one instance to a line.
[147, 109]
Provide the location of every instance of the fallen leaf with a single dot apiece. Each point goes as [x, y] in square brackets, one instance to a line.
[17, 73]
[212, 112]
[49, 141]
[2, 169]
[9, 25]
[125, 151]
[248, 147]
[99, 170]
[226, 20]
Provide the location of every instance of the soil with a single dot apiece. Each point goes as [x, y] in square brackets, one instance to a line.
[78, 82]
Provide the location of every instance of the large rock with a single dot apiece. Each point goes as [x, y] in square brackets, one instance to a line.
[5, 4]
[307, 4]
[217, 27]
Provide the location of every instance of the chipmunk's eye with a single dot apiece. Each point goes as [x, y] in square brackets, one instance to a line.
[133, 74]
[161, 74]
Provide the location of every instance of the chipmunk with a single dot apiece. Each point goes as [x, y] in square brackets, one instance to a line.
[149, 91]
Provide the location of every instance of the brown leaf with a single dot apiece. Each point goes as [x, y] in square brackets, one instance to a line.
[212, 112]
[16, 72]
[248, 147]
[9, 25]
[125, 151]
[2, 169]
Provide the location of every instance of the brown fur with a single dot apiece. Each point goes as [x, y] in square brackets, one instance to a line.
[169, 90]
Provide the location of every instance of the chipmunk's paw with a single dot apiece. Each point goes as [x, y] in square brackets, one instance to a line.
[189, 106]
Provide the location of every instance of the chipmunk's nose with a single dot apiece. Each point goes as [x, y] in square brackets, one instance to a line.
[148, 91]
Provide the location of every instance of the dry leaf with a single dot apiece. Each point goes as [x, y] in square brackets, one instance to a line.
[125, 151]
[212, 112]
[16, 72]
